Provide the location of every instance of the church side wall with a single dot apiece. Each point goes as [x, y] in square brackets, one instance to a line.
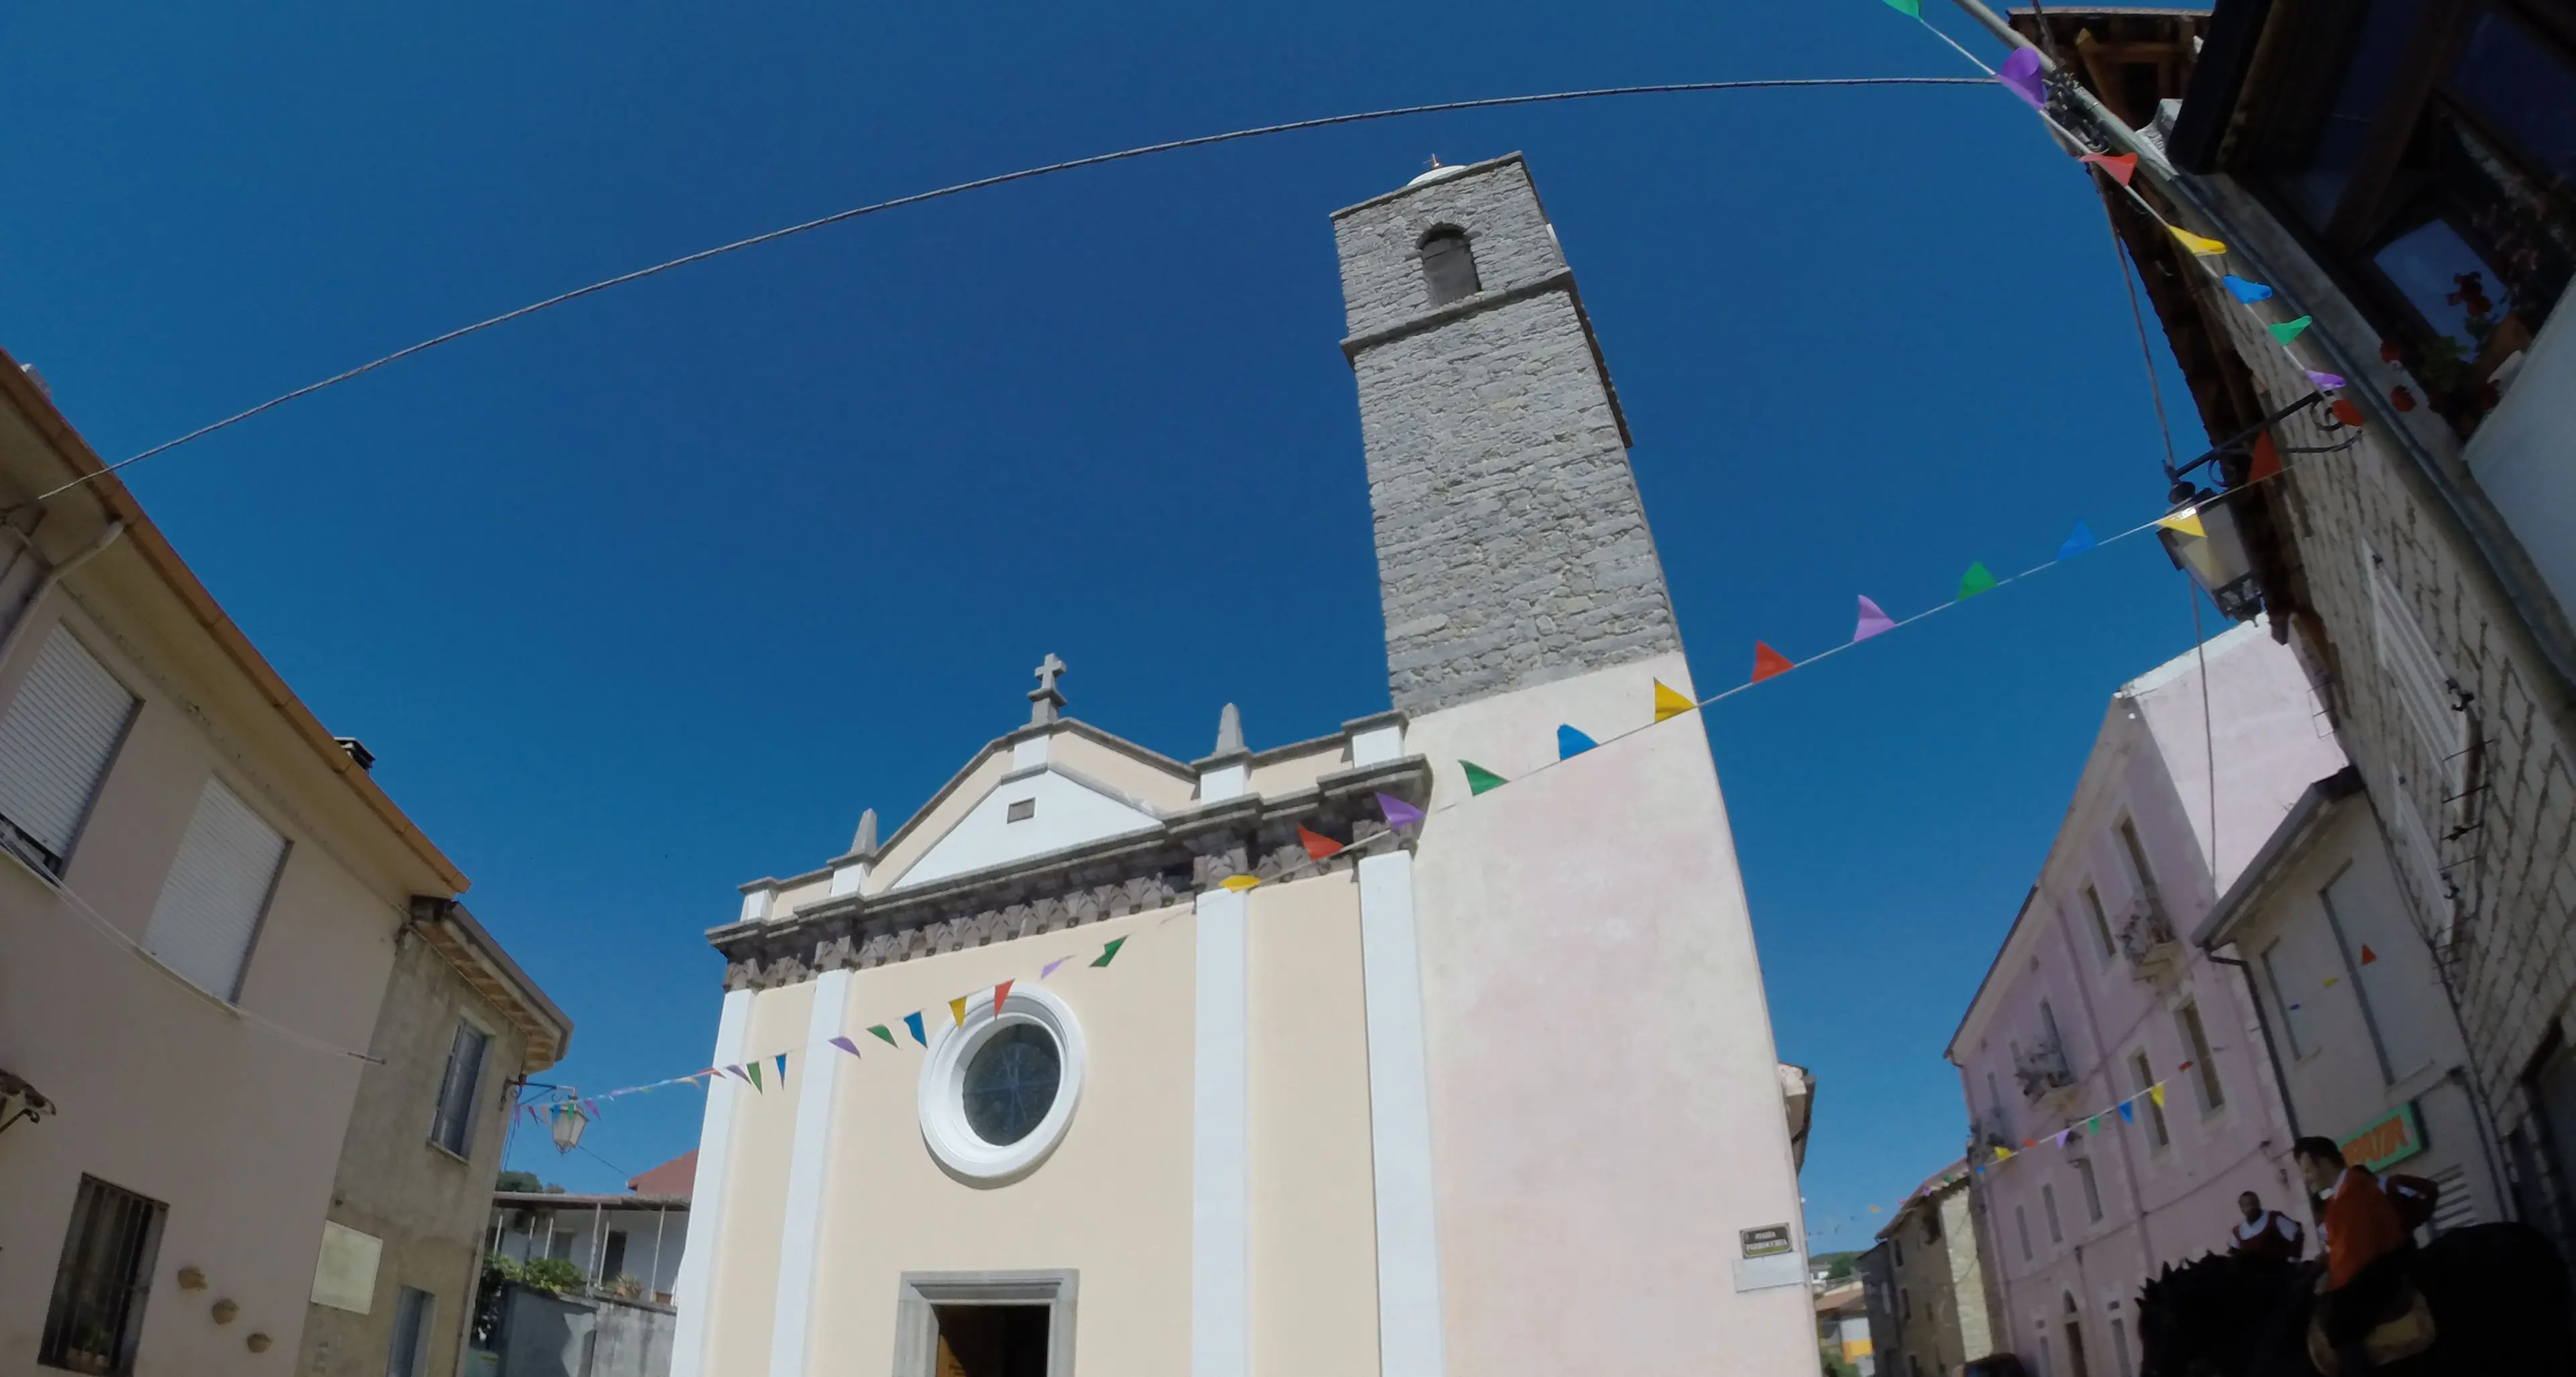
[755, 1192]
[1112, 1201]
[1605, 1102]
[1314, 1215]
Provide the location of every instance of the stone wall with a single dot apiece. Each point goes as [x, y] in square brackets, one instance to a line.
[1512, 547]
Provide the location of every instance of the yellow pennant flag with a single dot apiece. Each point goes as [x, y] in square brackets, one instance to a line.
[2002, 1152]
[2156, 1092]
[957, 1010]
[1237, 883]
[1669, 703]
[2186, 521]
[2206, 248]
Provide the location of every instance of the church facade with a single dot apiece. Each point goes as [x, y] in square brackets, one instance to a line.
[1315, 1059]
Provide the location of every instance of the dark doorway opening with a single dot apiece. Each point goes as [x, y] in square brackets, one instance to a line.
[992, 1340]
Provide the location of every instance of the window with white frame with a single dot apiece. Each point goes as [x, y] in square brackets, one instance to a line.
[2204, 1071]
[2427, 695]
[2110, 945]
[414, 1310]
[453, 1126]
[2092, 1189]
[2048, 1206]
[2021, 1226]
[216, 892]
[57, 739]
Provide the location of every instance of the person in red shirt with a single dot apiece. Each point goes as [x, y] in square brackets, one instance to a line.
[2364, 1241]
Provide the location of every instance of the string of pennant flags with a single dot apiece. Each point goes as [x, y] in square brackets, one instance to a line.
[2085, 1126]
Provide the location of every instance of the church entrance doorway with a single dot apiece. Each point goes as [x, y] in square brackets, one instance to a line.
[992, 1340]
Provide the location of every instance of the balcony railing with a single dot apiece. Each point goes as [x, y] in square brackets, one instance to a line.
[2147, 939]
[2043, 1069]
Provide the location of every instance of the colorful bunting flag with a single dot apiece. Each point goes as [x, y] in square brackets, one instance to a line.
[2156, 1093]
[1571, 743]
[2289, 330]
[2346, 412]
[2121, 166]
[1480, 779]
[1768, 662]
[1398, 813]
[957, 1011]
[1109, 952]
[2330, 981]
[1976, 580]
[2020, 75]
[2078, 541]
[1049, 968]
[2206, 248]
[2002, 1153]
[751, 1073]
[2128, 1115]
[2242, 290]
[913, 1022]
[1669, 702]
[1318, 846]
[2093, 1126]
[2186, 521]
[1001, 992]
[1236, 884]
[884, 1032]
[782, 1068]
[1872, 621]
[2367, 955]
[846, 1045]
[1911, 9]
[2327, 381]
[2184, 1067]
[2061, 1136]
[2267, 459]
[737, 1073]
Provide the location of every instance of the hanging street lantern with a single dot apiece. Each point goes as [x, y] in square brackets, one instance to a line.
[569, 1121]
[19, 1100]
[2204, 540]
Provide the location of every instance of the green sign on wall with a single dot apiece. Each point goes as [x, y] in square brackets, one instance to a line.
[2391, 1138]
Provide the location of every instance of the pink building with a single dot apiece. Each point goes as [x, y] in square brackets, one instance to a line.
[2095, 1001]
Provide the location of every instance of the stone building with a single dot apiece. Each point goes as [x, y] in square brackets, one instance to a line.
[274, 1057]
[2398, 176]
[1930, 1313]
[2095, 1002]
[1135, 1066]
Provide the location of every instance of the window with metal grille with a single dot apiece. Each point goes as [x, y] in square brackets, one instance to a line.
[105, 1275]
[2427, 696]
[2048, 1206]
[56, 741]
[413, 1310]
[218, 888]
[453, 1126]
[2092, 1190]
[2158, 1135]
[1449, 266]
[2204, 1072]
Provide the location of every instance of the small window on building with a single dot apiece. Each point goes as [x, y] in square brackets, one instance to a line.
[2092, 1190]
[1932, 1223]
[1449, 266]
[2048, 1206]
[56, 741]
[1904, 1303]
[207, 918]
[102, 1281]
[2425, 690]
[453, 1127]
[2120, 1349]
[414, 1311]
[2021, 1225]
[1021, 810]
[2153, 1114]
[2204, 1072]
[2139, 872]
[2102, 938]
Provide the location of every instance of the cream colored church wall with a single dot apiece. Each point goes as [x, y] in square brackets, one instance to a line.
[1297, 770]
[1112, 1201]
[1605, 1107]
[1313, 1212]
[925, 832]
[755, 1192]
[1141, 780]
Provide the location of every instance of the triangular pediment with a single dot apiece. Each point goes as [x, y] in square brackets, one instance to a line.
[1031, 794]
[1025, 815]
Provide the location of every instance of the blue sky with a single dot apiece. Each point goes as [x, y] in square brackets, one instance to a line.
[652, 594]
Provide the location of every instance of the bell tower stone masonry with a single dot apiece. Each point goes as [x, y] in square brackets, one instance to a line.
[1512, 548]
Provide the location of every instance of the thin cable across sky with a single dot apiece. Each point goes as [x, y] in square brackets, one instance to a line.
[979, 184]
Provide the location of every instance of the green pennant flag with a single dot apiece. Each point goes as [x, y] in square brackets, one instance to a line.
[2289, 330]
[1109, 953]
[1975, 581]
[887, 1033]
[1911, 9]
[752, 1070]
[2093, 1125]
[1479, 779]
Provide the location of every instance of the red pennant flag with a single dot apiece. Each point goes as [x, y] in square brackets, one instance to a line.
[1767, 662]
[1318, 845]
[2121, 168]
[2267, 459]
[2367, 955]
[2346, 412]
[1000, 993]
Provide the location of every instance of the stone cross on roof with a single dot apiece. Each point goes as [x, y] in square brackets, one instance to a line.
[1046, 699]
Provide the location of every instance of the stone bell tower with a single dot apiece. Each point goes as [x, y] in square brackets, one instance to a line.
[1511, 545]
[1610, 1181]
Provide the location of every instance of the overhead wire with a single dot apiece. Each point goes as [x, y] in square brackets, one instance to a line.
[982, 183]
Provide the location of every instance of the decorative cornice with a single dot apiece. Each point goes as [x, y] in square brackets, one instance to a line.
[1137, 872]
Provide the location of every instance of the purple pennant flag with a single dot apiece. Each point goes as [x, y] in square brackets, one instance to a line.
[592, 1106]
[2061, 1136]
[1398, 812]
[738, 1074]
[846, 1045]
[2327, 381]
[1049, 968]
[1872, 621]
[2020, 75]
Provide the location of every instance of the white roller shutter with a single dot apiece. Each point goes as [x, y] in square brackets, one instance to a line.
[56, 740]
[211, 903]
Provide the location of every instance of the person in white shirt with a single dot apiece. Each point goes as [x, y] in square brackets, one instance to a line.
[2266, 1235]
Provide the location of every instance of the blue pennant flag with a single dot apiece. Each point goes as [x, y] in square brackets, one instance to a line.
[913, 1022]
[1571, 743]
[2242, 290]
[2126, 1116]
[2077, 542]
